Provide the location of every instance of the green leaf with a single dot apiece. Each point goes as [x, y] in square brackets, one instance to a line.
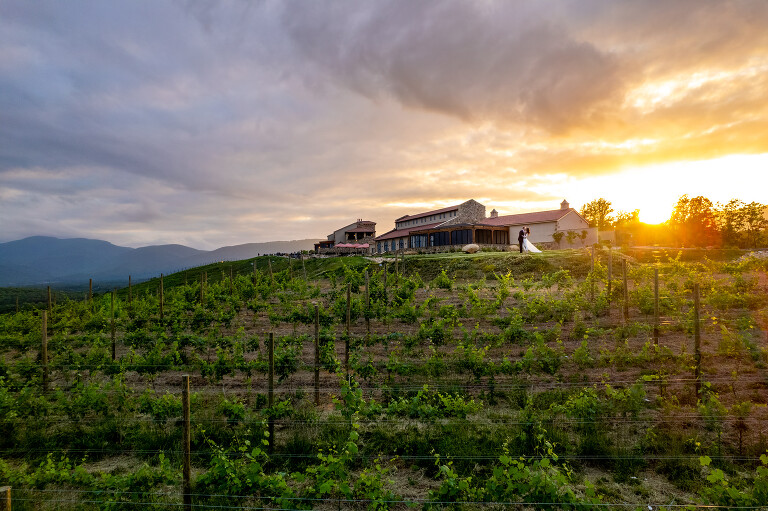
[705, 461]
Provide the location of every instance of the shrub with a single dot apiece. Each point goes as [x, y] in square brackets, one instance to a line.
[443, 281]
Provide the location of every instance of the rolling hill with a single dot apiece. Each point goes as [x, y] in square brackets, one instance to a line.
[43, 260]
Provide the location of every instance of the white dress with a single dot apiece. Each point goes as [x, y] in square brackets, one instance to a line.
[529, 247]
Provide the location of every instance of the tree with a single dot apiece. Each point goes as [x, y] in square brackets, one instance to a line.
[627, 225]
[741, 224]
[597, 213]
[754, 221]
[694, 221]
[627, 219]
[730, 221]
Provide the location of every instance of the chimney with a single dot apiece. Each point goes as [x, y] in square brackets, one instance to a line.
[494, 213]
[564, 205]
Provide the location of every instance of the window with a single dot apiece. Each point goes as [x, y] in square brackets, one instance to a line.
[378, 247]
[484, 236]
[461, 237]
[440, 239]
[418, 241]
[402, 243]
[386, 246]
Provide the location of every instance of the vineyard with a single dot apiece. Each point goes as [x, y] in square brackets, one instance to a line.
[579, 379]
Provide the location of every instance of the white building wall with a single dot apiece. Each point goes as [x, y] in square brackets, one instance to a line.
[572, 221]
[338, 235]
[540, 233]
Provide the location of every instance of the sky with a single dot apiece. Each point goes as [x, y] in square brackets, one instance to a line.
[212, 123]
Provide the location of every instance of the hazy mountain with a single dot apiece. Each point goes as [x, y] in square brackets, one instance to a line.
[40, 260]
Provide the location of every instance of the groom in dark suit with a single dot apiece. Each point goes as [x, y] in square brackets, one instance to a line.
[520, 237]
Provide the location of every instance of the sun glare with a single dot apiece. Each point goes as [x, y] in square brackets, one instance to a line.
[655, 189]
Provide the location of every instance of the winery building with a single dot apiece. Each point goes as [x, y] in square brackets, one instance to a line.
[356, 237]
[544, 225]
[465, 223]
[452, 226]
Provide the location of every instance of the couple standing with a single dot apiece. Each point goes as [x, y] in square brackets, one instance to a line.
[524, 242]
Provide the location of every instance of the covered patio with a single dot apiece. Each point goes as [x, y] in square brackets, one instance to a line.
[459, 234]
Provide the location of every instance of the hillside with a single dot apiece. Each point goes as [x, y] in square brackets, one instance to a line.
[42, 260]
[460, 378]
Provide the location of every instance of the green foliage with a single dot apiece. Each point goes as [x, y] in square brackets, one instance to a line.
[541, 358]
[582, 356]
[540, 481]
[242, 471]
[160, 409]
[443, 281]
[720, 491]
[511, 354]
[438, 332]
[430, 404]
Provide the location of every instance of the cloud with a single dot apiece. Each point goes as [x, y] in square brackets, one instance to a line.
[475, 61]
[218, 123]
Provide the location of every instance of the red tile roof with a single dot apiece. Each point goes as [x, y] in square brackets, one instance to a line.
[362, 229]
[399, 233]
[536, 217]
[427, 213]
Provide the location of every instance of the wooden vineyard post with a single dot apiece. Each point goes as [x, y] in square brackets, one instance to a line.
[349, 321]
[317, 355]
[696, 340]
[202, 294]
[271, 392]
[50, 305]
[397, 269]
[113, 323]
[290, 267]
[304, 267]
[626, 291]
[5, 498]
[44, 350]
[271, 275]
[656, 306]
[186, 443]
[367, 303]
[161, 298]
[592, 280]
[231, 282]
[610, 277]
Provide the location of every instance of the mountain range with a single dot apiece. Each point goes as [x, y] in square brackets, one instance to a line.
[43, 260]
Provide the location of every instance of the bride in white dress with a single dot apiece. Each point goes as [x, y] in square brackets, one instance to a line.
[527, 245]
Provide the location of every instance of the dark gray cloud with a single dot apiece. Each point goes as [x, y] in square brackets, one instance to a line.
[499, 61]
[214, 123]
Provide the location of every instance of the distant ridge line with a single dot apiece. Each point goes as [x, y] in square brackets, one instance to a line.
[41, 260]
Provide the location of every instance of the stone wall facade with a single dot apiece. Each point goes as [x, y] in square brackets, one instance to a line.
[470, 212]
